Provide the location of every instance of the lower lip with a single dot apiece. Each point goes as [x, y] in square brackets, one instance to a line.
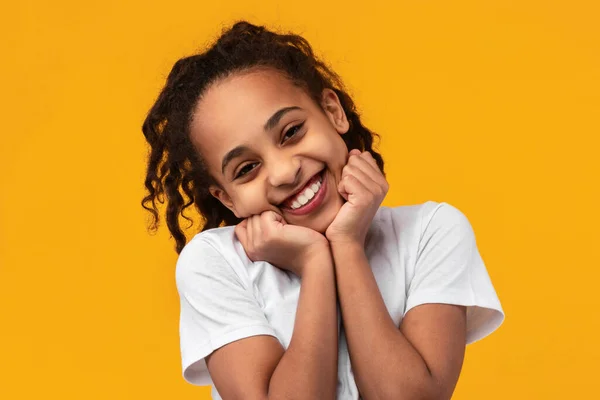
[314, 202]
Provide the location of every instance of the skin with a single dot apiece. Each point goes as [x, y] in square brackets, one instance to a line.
[420, 359]
[238, 108]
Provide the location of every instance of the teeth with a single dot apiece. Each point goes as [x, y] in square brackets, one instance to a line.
[306, 195]
[309, 193]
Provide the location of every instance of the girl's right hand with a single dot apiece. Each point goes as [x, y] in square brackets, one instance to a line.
[268, 237]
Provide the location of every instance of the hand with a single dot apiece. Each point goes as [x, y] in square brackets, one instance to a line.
[268, 237]
[364, 187]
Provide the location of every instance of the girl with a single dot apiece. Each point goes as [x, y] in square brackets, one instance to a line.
[301, 285]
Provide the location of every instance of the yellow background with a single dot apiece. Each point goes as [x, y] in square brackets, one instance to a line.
[492, 106]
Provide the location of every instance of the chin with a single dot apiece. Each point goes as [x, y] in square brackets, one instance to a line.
[320, 218]
[321, 223]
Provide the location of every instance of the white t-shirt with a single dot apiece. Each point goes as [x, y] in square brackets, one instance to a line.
[423, 253]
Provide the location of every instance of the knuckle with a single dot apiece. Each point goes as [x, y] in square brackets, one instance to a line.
[265, 214]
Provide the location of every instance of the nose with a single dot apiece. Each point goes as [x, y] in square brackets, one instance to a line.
[284, 171]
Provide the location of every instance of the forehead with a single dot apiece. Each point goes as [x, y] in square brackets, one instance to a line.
[234, 110]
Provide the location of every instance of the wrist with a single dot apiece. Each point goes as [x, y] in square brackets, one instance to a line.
[353, 245]
[319, 259]
[344, 252]
[346, 239]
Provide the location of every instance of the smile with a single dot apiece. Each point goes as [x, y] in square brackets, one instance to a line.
[306, 195]
[309, 198]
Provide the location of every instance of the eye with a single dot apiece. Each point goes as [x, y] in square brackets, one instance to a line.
[292, 131]
[245, 170]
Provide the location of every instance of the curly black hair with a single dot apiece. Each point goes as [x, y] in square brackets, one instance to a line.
[175, 168]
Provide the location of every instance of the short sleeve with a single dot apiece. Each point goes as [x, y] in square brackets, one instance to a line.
[217, 308]
[450, 270]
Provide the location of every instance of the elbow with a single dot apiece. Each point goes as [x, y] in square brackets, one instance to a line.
[417, 394]
[415, 389]
[430, 393]
[428, 389]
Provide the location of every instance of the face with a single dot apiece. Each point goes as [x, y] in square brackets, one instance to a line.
[266, 141]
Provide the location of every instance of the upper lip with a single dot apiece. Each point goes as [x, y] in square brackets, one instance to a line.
[299, 189]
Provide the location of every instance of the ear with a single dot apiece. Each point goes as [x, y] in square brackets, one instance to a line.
[223, 197]
[330, 103]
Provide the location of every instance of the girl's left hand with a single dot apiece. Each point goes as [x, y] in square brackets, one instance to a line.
[364, 187]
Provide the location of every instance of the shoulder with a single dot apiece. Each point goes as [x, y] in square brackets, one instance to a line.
[407, 219]
[216, 239]
[422, 216]
[411, 226]
[408, 214]
[447, 223]
[209, 254]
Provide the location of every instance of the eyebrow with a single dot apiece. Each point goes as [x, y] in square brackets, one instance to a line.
[275, 118]
[236, 152]
[270, 124]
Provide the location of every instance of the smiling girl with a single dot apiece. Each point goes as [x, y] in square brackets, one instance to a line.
[301, 285]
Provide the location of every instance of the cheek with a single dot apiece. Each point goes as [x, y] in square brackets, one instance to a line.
[337, 154]
[250, 200]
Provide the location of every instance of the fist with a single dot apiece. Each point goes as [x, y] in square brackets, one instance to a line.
[364, 187]
[268, 237]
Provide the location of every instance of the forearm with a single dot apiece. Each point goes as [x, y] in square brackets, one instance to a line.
[308, 368]
[385, 364]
